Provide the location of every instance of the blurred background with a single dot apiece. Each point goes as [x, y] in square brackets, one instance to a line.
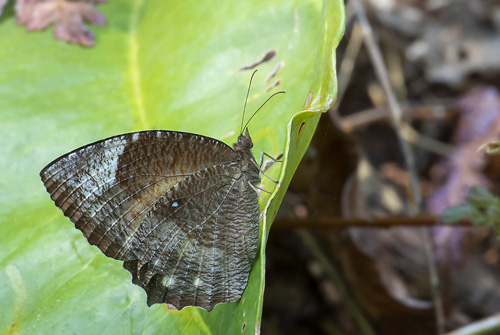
[359, 246]
[390, 225]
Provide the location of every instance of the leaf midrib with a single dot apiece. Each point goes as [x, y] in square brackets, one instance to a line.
[135, 72]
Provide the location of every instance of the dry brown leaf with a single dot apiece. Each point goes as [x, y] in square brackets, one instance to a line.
[66, 16]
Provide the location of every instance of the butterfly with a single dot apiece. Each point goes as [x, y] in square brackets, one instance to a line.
[180, 209]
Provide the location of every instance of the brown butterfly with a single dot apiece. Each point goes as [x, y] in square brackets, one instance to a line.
[181, 210]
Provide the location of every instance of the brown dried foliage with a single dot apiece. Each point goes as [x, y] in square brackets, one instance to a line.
[67, 17]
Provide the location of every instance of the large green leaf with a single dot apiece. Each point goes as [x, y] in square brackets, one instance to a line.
[156, 65]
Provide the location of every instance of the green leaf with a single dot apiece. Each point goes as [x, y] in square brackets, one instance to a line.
[456, 213]
[156, 65]
[479, 196]
[482, 208]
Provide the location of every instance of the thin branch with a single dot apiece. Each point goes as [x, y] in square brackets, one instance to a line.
[426, 142]
[342, 223]
[362, 118]
[441, 110]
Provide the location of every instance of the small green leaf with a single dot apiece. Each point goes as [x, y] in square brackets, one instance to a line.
[482, 208]
[456, 213]
[479, 196]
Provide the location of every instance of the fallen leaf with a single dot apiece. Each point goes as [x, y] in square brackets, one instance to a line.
[66, 16]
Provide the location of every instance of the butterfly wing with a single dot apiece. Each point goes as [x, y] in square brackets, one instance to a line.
[206, 233]
[114, 191]
[105, 185]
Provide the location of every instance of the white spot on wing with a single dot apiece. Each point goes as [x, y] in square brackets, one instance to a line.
[135, 137]
[197, 282]
[168, 281]
[175, 204]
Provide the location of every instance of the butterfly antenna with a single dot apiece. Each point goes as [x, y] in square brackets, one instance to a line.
[246, 99]
[246, 124]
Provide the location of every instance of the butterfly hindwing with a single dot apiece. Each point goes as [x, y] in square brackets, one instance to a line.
[207, 237]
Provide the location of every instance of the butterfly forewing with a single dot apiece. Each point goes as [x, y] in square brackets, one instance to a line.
[177, 207]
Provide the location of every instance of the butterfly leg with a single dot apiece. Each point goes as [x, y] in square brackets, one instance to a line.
[274, 160]
[261, 162]
[264, 174]
[259, 190]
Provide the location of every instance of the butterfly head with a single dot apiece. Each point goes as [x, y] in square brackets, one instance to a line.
[244, 142]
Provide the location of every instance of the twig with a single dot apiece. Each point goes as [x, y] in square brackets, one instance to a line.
[381, 71]
[426, 142]
[349, 123]
[432, 109]
[342, 223]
